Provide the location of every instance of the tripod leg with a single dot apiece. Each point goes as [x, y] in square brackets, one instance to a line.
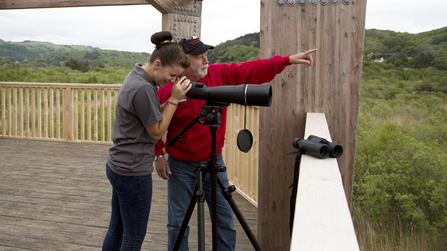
[197, 197]
[213, 177]
[201, 213]
[226, 192]
[185, 223]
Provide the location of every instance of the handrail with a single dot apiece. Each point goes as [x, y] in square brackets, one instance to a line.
[322, 218]
[59, 85]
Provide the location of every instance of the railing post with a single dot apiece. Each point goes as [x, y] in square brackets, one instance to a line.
[68, 114]
[4, 110]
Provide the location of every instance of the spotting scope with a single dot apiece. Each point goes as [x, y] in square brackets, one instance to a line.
[245, 94]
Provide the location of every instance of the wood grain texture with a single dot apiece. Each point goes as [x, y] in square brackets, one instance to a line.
[183, 7]
[322, 217]
[56, 196]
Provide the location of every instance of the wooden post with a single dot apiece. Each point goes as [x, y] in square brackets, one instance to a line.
[67, 119]
[331, 86]
[181, 17]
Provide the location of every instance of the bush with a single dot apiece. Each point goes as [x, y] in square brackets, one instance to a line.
[79, 65]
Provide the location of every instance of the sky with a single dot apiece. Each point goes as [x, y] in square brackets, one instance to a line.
[129, 28]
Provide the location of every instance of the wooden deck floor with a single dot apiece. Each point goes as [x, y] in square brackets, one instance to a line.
[56, 196]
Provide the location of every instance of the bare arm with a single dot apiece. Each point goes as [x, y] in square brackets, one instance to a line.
[179, 90]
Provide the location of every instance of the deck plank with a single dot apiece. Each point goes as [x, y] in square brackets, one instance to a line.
[56, 196]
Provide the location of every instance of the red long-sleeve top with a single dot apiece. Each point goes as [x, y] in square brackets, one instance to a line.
[195, 144]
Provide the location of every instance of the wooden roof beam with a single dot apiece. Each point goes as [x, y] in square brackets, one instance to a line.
[33, 4]
[186, 7]
[182, 17]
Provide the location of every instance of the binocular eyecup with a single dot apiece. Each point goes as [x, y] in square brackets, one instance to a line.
[336, 150]
[318, 147]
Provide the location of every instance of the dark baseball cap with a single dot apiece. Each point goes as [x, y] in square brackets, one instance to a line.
[194, 46]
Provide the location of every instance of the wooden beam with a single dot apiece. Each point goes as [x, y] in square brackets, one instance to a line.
[331, 86]
[181, 17]
[33, 4]
[181, 25]
[185, 7]
[181, 7]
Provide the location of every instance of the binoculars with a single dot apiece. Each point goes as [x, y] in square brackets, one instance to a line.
[318, 147]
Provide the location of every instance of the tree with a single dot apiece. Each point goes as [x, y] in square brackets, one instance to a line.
[79, 65]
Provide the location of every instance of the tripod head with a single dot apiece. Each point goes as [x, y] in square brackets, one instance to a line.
[212, 116]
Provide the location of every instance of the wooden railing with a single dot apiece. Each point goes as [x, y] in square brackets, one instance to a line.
[322, 217]
[63, 112]
[85, 113]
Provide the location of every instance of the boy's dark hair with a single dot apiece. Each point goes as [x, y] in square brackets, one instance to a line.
[169, 53]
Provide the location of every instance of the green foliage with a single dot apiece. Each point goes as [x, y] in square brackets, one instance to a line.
[6, 60]
[79, 65]
[45, 54]
[245, 48]
[238, 54]
[15, 72]
[409, 50]
[401, 155]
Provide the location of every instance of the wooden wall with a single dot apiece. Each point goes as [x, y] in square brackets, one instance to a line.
[331, 86]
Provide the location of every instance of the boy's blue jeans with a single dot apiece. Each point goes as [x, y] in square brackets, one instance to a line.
[180, 190]
[131, 204]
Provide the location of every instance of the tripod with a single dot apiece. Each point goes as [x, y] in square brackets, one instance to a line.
[212, 114]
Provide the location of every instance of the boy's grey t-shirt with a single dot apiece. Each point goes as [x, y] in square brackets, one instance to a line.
[132, 153]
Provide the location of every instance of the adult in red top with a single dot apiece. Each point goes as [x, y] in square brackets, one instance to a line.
[195, 144]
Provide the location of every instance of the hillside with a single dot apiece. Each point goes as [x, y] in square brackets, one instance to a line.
[46, 54]
[396, 48]
[239, 50]
[410, 50]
